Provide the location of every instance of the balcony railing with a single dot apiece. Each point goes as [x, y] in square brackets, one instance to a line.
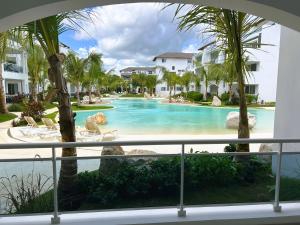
[183, 155]
[13, 68]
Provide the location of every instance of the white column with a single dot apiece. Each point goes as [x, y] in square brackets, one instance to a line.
[287, 115]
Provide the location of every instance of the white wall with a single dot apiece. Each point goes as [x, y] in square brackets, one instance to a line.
[287, 119]
[267, 56]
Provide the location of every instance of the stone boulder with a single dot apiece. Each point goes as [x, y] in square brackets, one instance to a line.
[98, 118]
[142, 152]
[266, 148]
[216, 101]
[232, 120]
[110, 165]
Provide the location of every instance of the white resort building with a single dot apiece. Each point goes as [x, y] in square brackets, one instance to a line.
[262, 61]
[174, 62]
[128, 71]
[15, 73]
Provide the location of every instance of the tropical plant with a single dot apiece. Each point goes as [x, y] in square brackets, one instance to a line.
[232, 30]
[139, 80]
[186, 80]
[74, 67]
[36, 63]
[46, 32]
[93, 71]
[151, 82]
[171, 79]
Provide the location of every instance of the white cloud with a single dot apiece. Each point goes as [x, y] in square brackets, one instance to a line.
[132, 34]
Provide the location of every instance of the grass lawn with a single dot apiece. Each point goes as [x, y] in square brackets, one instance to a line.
[6, 117]
[133, 96]
[92, 107]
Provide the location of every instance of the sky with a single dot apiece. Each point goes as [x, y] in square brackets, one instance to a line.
[131, 35]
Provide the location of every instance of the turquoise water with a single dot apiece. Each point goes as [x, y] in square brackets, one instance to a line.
[151, 117]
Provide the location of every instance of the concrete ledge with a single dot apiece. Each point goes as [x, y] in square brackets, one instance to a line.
[224, 215]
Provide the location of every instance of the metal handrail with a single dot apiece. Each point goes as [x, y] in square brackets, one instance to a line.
[56, 219]
[149, 142]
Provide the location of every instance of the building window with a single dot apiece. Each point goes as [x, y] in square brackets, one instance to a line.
[178, 88]
[192, 87]
[163, 88]
[250, 89]
[173, 67]
[149, 72]
[12, 88]
[163, 60]
[253, 67]
[189, 61]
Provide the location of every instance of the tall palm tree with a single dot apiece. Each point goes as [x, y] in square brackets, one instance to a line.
[171, 79]
[4, 39]
[232, 30]
[36, 62]
[94, 70]
[186, 80]
[46, 32]
[74, 67]
[139, 80]
[151, 82]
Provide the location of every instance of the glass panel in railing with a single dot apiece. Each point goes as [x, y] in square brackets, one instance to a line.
[227, 179]
[129, 181]
[25, 187]
[290, 173]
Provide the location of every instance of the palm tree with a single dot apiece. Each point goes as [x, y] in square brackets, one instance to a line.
[232, 30]
[217, 73]
[94, 70]
[74, 67]
[151, 82]
[46, 32]
[139, 80]
[186, 80]
[171, 79]
[36, 62]
[4, 39]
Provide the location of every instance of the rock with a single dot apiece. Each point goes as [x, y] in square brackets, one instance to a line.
[216, 101]
[111, 165]
[142, 152]
[266, 148]
[232, 120]
[98, 118]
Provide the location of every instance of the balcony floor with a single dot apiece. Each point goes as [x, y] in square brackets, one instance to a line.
[225, 215]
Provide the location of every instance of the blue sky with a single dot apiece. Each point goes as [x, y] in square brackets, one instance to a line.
[131, 35]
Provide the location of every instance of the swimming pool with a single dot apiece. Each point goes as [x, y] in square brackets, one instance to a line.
[138, 116]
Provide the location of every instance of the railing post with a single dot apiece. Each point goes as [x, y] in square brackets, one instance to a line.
[276, 206]
[182, 212]
[55, 219]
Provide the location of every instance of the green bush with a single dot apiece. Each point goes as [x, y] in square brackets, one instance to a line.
[230, 148]
[16, 107]
[251, 98]
[194, 96]
[161, 178]
[34, 109]
[225, 97]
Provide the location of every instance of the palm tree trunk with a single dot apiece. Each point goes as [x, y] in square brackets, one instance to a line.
[230, 92]
[170, 94]
[3, 108]
[90, 95]
[34, 92]
[243, 131]
[68, 171]
[78, 94]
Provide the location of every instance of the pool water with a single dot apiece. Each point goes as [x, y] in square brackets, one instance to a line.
[137, 116]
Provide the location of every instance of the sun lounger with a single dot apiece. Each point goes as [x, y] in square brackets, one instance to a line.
[92, 128]
[49, 124]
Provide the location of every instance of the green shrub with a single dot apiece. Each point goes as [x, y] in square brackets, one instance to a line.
[34, 109]
[251, 98]
[16, 107]
[230, 148]
[194, 96]
[130, 95]
[225, 97]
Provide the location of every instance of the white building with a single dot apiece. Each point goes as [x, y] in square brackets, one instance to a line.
[263, 64]
[15, 73]
[128, 71]
[174, 62]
